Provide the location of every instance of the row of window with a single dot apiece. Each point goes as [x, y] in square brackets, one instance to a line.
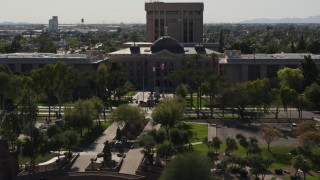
[174, 12]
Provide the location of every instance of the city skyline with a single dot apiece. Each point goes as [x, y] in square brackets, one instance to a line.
[97, 11]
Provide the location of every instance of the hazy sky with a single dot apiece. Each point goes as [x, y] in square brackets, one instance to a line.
[132, 11]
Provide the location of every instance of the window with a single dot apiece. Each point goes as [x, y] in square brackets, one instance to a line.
[150, 13]
[172, 12]
[190, 12]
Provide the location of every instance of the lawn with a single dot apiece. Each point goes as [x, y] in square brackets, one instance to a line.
[204, 102]
[39, 159]
[199, 131]
[308, 178]
[131, 94]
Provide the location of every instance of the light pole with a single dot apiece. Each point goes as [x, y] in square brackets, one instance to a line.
[143, 80]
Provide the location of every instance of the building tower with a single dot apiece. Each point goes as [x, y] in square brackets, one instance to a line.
[183, 21]
[53, 24]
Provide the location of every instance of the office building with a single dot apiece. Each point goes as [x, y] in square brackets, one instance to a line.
[239, 67]
[53, 24]
[83, 64]
[182, 21]
[147, 66]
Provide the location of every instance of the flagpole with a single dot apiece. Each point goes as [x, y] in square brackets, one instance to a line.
[162, 70]
[154, 79]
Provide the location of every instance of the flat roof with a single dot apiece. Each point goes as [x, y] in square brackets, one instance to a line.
[43, 58]
[275, 56]
[147, 51]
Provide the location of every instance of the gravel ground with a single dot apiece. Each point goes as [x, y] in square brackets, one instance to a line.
[223, 132]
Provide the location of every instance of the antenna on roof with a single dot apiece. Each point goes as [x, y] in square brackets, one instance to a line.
[166, 30]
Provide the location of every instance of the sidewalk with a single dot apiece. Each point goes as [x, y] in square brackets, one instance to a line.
[96, 147]
[212, 132]
[134, 156]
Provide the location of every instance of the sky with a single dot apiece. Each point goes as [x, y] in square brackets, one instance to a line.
[132, 11]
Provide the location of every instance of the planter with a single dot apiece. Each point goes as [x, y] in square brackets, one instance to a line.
[293, 177]
[278, 171]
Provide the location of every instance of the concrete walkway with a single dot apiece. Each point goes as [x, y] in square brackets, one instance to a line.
[212, 131]
[96, 147]
[134, 156]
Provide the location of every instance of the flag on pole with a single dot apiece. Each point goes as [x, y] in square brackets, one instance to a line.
[162, 66]
[153, 69]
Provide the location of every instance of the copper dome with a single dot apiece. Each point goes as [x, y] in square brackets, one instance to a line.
[168, 43]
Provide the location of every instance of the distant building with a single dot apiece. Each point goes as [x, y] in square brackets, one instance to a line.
[53, 24]
[182, 21]
[84, 64]
[239, 67]
[147, 65]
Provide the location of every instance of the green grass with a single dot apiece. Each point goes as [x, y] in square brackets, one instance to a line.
[39, 159]
[201, 130]
[89, 137]
[131, 94]
[282, 158]
[308, 178]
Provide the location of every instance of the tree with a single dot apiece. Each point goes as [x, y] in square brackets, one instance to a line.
[123, 90]
[26, 97]
[190, 166]
[270, 134]
[58, 80]
[216, 143]
[57, 142]
[259, 93]
[98, 107]
[306, 126]
[15, 45]
[287, 96]
[46, 44]
[100, 79]
[179, 137]
[80, 116]
[231, 145]
[211, 87]
[165, 150]
[314, 47]
[11, 125]
[309, 139]
[213, 145]
[70, 139]
[293, 48]
[168, 113]
[292, 78]
[300, 162]
[243, 142]
[182, 90]
[147, 142]
[301, 47]
[259, 165]
[301, 102]
[4, 87]
[309, 70]
[254, 146]
[221, 42]
[32, 147]
[133, 117]
[240, 98]
[312, 92]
